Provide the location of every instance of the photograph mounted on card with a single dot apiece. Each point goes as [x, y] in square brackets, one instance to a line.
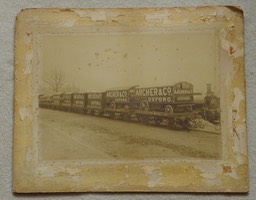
[130, 100]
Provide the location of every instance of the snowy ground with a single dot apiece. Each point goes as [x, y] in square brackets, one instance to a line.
[70, 136]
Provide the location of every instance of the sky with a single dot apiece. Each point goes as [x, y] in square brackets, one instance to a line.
[98, 62]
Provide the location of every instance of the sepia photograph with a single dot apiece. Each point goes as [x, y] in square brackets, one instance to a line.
[130, 100]
[133, 96]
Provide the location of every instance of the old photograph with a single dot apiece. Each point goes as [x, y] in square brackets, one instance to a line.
[133, 96]
[130, 100]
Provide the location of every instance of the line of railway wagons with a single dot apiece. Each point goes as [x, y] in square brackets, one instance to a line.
[173, 105]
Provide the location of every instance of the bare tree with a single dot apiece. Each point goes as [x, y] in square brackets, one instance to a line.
[55, 80]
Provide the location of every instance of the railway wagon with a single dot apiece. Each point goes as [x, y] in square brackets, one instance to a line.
[183, 97]
[169, 99]
[66, 103]
[45, 101]
[95, 103]
[173, 104]
[79, 103]
[56, 101]
[119, 99]
[118, 103]
[41, 101]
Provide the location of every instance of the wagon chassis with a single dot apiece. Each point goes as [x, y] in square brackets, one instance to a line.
[170, 120]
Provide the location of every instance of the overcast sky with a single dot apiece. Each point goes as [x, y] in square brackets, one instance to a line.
[101, 62]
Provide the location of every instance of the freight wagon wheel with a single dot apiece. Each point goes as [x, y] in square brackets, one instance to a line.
[144, 105]
[112, 104]
[143, 119]
[112, 115]
[186, 123]
[157, 121]
[168, 109]
[173, 123]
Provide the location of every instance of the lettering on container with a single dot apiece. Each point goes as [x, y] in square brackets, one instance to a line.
[79, 102]
[159, 99]
[183, 98]
[56, 97]
[116, 94]
[67, 96]
[95, 96]
[183, 92]
[78, 96]
[153, 92]
[121, 100]
[56, 101]
[95, 103]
